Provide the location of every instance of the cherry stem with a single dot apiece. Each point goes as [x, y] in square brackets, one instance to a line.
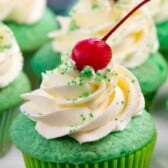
[123, 20]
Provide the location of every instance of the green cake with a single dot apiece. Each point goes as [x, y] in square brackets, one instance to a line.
[162, 30]
[151, 75]
[133, 146]
[45, 59]
[9, 101]
[30, 37]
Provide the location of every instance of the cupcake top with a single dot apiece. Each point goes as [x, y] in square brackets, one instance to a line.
[11, 60]
[94, 18]
[159, 9]
[25, 11]
[85, 105]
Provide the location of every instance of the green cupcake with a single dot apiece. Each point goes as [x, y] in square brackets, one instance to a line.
[88, 119]
[159, 12]
[31, 37]
[130, 148]
[31, 24]
[151, 75]
[45, 59]
[13, 83]
[162, 30]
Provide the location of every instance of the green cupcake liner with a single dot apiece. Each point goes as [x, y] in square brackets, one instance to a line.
[139, 159]
[6, 118]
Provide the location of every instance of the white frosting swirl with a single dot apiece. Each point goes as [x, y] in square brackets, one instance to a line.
[159, 10]
[22, 11]
[87, 105]
[11, 60]
[138, 32]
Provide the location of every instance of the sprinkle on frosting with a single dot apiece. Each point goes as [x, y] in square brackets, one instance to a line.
[87, 112]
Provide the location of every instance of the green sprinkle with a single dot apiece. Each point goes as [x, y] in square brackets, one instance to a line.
[104, 76]
[133, 81]
[73, 26]
[85, 95]
[72, 83]
[95, 6]
[1, 37]
[81, 82]
[83, 118]
[87, 72]
[100, 77]
[4, 47]
[122, 102]
[116, 119]
[91, 115]
[74, 99]
[108, 70]
[117, 19]
[73, 129]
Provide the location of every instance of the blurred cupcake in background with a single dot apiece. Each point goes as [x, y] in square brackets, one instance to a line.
[30, 21]
[13, 83]
[134, 44]
[61, 6]
[159, 9]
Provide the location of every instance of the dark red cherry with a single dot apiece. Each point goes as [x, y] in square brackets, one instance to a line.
[97, 53]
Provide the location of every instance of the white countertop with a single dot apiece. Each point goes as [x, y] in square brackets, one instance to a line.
[160, 160]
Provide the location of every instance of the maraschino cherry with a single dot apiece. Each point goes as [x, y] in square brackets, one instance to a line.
[96, 52]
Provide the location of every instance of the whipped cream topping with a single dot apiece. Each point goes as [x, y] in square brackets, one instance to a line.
[95, 18]
[24, 11]
[159, 10]
[84, 105]
[11, 60]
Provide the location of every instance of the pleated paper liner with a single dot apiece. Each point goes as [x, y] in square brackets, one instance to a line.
[139, 159]
[6, 118]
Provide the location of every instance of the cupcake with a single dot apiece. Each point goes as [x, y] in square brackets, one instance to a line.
[160, 14]
[30, 21]
[13, 83]
[134, 46]
[75, 117]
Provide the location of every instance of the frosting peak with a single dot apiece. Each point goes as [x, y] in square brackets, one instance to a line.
[11, 60]
[25, 11]
[85, 105]
[158, 9]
